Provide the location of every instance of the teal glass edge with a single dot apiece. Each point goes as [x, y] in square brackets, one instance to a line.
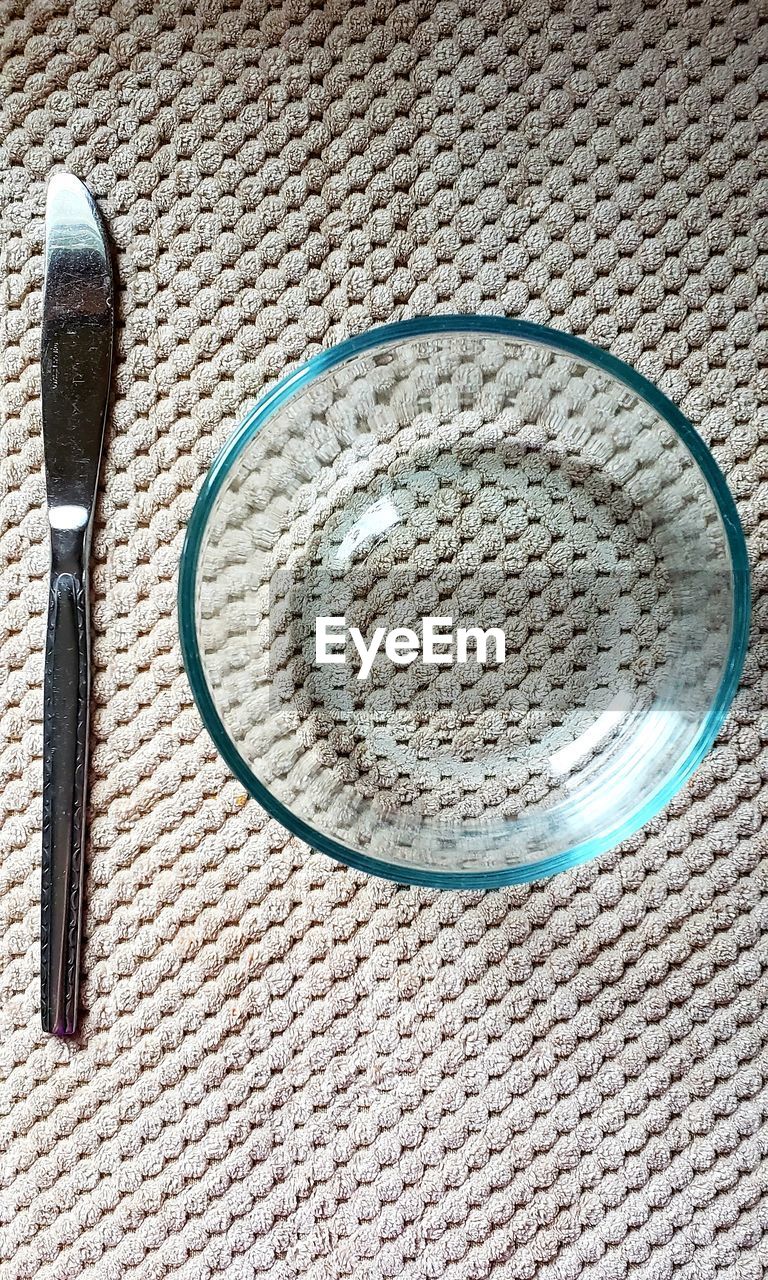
[427, 326]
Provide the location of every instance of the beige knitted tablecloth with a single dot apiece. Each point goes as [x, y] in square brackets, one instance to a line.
[287, 1069]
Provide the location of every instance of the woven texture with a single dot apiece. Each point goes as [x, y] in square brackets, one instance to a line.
[285, 1068]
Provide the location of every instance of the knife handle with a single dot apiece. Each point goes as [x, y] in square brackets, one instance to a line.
[65, 758]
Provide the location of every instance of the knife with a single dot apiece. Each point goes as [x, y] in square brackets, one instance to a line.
[76, 359]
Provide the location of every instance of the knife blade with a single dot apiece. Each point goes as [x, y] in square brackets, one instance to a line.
[75, 361]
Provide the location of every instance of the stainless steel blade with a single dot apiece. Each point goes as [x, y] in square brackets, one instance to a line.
[76, 353]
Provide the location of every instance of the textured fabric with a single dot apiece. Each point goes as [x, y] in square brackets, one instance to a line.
[285, 1068]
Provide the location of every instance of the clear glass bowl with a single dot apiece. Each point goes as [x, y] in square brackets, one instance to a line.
[562, 519]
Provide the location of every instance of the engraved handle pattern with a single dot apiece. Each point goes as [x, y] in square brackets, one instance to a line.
[65, 754]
